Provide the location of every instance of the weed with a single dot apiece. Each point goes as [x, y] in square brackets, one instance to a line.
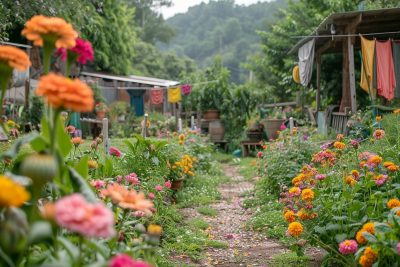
[198, 223]
[207, 211]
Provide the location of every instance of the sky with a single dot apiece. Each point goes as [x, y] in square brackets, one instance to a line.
[181, 6]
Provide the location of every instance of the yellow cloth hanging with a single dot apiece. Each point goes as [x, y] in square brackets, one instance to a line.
[296, 74]
[367, 66]
[174, 94]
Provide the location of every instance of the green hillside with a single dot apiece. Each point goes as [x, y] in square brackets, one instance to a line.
[222, 27]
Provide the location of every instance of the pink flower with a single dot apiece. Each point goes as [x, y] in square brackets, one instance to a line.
[320, 177]
[97, 183]
[83, 49]
[355, 143]
[398, 248]
[168, 184]
[124, 260]
[159, 188]
[132, 178]
[118, 178]
[151, 196]
[381, 179]
[282, 127]
[379, 134]
[115, 152]
[90, 220]
[139, 214]
[260, 154]
[348, 247]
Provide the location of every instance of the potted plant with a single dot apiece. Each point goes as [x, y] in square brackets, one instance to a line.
[101, 109]
[119, 110]
[273, 122]
[255, 129]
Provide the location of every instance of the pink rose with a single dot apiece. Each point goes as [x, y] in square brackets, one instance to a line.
[115, 152]
[118, 178]
[151, 196]
[168, 184]
[260, 154]
[159, 188]
[132, 178]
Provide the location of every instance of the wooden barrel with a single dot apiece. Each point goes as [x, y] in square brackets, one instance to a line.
[216, 130]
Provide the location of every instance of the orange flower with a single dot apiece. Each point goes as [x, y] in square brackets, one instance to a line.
[360, 238]
[40, 28]
[375, 159]
[77, 141]
[289, 216]
[127, 199]
[339, 137]
[307, 194]
[339, 145]
[295, 229]
[302, 214]
[393, 168]
[350, 180]
[368, 258]
[355, 174]
[393, 203]
[14, 58]
[368, 227]
[62, 92]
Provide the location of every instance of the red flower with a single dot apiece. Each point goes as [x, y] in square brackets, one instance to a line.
[115, 152]
[83, 49]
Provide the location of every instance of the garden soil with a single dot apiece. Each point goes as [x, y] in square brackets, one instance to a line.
[245, 247]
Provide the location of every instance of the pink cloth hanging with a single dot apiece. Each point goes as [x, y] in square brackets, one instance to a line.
[157, 96]
[186, 89]
[386, 79]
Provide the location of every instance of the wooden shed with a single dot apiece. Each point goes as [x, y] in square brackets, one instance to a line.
[340, 33]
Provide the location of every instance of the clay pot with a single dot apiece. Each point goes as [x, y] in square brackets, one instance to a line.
[177, 184]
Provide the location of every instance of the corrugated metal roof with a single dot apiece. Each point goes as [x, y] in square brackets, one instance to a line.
[133, 79]
[387, 18]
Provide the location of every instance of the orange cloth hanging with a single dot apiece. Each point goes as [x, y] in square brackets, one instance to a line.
[157, 96]
[386, 79]
[367, 66]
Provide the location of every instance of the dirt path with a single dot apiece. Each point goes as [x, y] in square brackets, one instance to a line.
[245, 248]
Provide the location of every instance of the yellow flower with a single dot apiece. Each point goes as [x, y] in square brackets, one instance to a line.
[11, 123]
[295, 229]
[92, 164]
[154, 229]
[339, 145]
[368, 258]
[290, 216]
[396, 111]
[393, 203]
[378, 118]
[295, 191]
[307, 194]
[182, 137]
[11, 193]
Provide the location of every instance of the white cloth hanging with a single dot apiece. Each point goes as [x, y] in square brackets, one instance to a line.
[306, 60]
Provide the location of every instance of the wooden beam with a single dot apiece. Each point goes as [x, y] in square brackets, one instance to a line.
[318, 97]
[352, 78]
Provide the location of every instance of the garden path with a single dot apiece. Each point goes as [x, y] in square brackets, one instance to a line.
[245, 247]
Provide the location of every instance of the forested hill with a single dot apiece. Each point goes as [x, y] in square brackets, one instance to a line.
[222, 28]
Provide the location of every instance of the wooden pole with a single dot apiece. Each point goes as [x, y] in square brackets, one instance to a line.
[180, 125]
[192, 125]
[106, 141]
[318, 100]
[352, 78]
[144, 127]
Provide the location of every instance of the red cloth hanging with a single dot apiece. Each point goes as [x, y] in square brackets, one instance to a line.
[386, 80]
[186, 89]
[157, 96]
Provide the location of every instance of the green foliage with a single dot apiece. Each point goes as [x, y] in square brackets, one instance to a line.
[207, 211]
[198, 223]
[290, 259]
[227, 30]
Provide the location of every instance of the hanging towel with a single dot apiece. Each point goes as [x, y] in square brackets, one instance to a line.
[386, 80]
[396, 62]
[186, 89]
[157, 96]
[306, 60]
[367, 66]
[174, 94]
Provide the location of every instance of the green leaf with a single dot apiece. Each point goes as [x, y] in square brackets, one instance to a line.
[340, 237]
[320, 230]
[108, 167]
[99, 247]
[382, 227]
[39, 144]
[44, 128]
[369, 237]
[39, 232]
[63, 139]
[16, 146]
[80, 185]
[332, 227]
[72, 250]
[82, 166]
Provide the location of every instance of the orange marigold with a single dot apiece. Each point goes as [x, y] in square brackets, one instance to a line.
[368, 258]
[393, 203]
[14, 58]
[360, 238]
[127, 199]
[290, 216]
[307, 194]
[77, 141]
[375, 159]
[302, 214]
[355, 174]
[369, 227]
[350, 180]
[62, 92]
[295, 229]
[41, 28]
[339, 145]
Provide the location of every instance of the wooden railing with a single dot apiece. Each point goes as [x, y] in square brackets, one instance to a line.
[339, 122]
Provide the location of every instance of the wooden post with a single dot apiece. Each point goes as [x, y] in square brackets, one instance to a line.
[192, 125]
[179, 125]
[352, 78]
[28, 84]
[318, 100]
[175, 113]
[106, 142]
[144, 127]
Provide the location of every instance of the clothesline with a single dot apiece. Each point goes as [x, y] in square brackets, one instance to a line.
[342, 35]
[149, 88]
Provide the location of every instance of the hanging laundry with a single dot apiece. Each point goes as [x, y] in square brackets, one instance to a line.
[386, 80]
[396, 62]
[186, 89]
[157, 96]
[367, 66]
[306, 60]
[174, 94]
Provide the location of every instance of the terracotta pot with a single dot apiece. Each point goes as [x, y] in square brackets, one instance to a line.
[271, 126]
[177, 184]
[211, 114]
[100, 115]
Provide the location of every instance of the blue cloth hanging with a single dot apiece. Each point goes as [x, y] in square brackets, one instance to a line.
[137, 101]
